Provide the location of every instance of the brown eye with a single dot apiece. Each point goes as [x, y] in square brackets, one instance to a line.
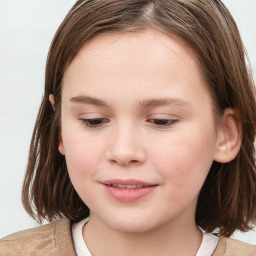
[163, 122]
[94, 122]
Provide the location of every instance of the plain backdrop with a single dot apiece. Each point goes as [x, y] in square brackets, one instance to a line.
[26, 31]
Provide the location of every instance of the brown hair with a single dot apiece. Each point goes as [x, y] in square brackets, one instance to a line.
[228, 197]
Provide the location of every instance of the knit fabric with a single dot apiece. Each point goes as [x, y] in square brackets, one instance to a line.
[47, 240]
[55, 239]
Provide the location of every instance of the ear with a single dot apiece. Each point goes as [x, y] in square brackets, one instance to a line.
[52, 100]
[61, 146]
[229, 137]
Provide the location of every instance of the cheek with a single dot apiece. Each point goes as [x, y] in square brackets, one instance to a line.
[82, 158]
[83, 165]
[80, 148]
[185, 160]
[82, 155]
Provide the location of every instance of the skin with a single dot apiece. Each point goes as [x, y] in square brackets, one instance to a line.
[170, 143]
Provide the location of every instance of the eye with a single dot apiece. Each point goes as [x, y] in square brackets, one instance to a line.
[163, 122]
[94, 122]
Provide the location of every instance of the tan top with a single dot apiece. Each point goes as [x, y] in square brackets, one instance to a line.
[56, 239]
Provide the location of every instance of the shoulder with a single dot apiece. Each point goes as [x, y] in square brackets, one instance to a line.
[50, 239]
[233, 247]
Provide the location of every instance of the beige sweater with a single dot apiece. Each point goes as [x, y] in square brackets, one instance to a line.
[56, 239]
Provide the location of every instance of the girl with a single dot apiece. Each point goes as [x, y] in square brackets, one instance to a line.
[144, 142]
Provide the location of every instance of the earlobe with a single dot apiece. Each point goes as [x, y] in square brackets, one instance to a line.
[229, 137]
[52, 100]
[61, 146]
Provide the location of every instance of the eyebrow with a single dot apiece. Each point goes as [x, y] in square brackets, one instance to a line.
[147, 103]
[163, 101]
[89, 100]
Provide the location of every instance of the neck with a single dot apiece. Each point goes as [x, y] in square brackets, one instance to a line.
[176, 239]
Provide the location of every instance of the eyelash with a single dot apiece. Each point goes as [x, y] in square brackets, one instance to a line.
[97, 122]
[89, 122]
[167, 122]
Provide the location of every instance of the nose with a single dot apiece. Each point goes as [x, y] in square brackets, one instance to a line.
[125, 147]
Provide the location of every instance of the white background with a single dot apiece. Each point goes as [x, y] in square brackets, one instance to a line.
[26, 30]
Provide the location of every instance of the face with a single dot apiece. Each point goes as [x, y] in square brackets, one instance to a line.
[137, 130]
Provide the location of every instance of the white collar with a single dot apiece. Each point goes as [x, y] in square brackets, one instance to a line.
[207, 247]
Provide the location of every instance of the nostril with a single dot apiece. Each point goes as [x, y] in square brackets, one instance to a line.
[125, 157]
[124, 162]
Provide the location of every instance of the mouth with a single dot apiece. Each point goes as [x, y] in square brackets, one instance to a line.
[133, 186]
[128, 184]
[128, 190]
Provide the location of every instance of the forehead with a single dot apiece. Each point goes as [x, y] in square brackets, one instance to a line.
[149, 60]
[150, 43]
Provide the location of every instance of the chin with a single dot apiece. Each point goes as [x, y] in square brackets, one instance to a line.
[131, 224]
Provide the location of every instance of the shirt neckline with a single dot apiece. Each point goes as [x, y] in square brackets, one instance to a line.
[207, 247]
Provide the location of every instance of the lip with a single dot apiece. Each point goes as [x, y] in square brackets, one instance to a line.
[127, 182]
[128, 194]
